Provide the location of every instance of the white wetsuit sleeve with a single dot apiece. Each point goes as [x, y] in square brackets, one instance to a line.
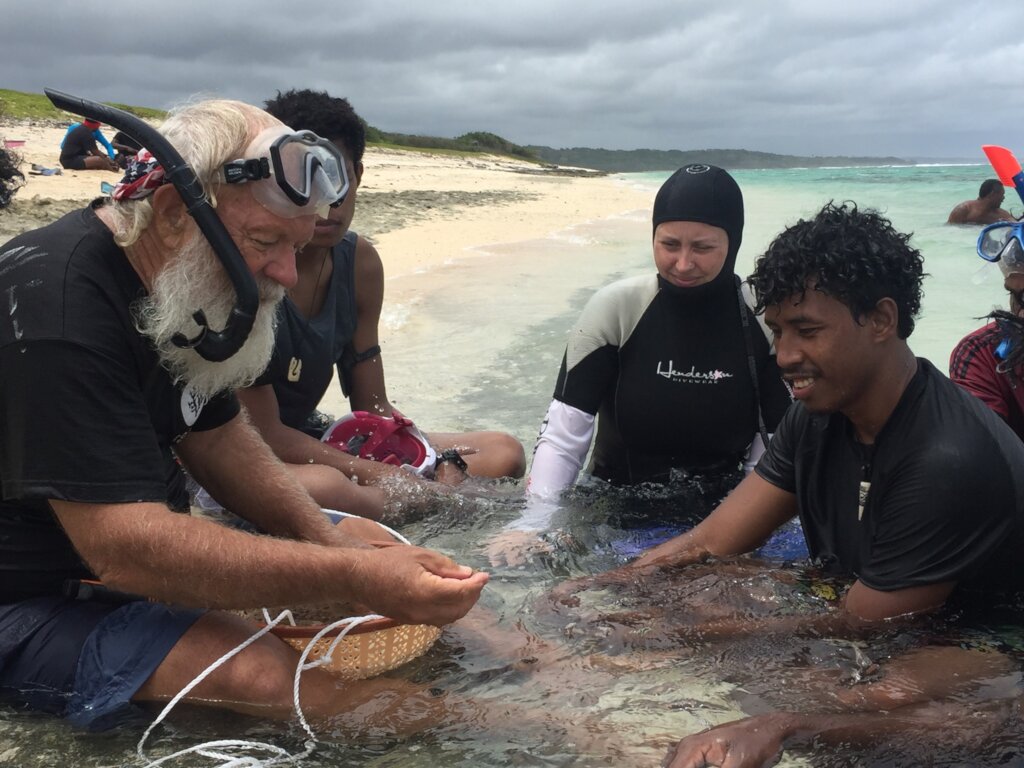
[754, 453]
[562, 446]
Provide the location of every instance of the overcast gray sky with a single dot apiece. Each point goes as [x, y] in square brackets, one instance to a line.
[868, 77]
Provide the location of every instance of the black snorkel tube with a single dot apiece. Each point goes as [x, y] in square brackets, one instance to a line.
[215, 346]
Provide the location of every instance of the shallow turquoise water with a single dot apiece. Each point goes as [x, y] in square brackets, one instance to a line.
[476, 344]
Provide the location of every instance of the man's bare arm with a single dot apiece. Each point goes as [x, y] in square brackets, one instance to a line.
[742, 522]
[296, 447]
[921, 692]
[144, 548]
[369, 392]
[237, 467]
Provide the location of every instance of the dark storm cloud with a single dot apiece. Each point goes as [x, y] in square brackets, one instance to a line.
[879, 77]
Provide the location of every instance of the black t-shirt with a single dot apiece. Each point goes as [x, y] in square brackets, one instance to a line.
[668, 378]
[946, 497]
[87, 413]
[78, 142]
[306, 351]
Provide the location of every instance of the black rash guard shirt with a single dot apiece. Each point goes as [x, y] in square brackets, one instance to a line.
[668, 378]
[946, 497]
[87, 413]
[306, 350]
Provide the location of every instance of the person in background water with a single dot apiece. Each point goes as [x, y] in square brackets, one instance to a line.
[986, 209]
[672, 370]
[989, 362]
[329, 319]
[78, 149]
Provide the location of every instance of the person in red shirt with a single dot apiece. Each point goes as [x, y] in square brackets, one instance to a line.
[989, 362]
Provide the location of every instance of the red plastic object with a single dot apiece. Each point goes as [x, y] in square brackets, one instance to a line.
[1003, 162]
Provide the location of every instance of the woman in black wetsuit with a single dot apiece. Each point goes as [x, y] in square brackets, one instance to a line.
[672, 370]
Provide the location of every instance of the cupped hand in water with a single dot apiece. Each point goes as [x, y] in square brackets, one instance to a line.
[755, 742]
[416, 585]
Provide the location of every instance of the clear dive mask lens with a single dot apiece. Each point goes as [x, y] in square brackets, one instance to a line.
[297, 173]
[1003, 243]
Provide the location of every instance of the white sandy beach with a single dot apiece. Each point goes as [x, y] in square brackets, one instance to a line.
[421, 209]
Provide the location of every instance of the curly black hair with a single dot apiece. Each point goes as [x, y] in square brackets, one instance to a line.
[328, 116]
[10, 177]
[851, 255]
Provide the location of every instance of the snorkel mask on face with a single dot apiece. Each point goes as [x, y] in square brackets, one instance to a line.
[296, 173]
[1003, 243]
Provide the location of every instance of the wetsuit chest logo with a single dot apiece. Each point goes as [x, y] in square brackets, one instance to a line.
[692, 376]
[294, 369]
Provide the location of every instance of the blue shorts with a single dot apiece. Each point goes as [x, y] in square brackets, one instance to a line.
[84, 660]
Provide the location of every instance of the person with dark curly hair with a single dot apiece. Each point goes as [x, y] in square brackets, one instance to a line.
[11, 178]
[329, 320]
[904, 484]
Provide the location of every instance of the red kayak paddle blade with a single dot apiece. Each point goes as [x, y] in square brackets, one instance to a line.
[1003, 162]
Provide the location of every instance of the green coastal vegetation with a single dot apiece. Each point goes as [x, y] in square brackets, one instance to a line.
[636, 160]
[18, 105]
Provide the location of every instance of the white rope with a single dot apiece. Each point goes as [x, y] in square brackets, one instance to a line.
[222, 749]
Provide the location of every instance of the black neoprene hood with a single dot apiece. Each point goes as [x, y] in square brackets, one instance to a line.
[709, 195]
[703, 193]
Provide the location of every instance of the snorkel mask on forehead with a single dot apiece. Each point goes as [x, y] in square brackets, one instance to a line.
[215, 346]
[295, 173]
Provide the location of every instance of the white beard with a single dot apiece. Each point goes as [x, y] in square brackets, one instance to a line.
[195, 280]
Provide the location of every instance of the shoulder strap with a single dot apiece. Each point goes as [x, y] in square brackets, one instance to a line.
[745, 312]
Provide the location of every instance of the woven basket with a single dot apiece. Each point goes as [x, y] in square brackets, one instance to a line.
[369, 649]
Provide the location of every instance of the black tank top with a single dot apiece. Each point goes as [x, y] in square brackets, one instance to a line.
[306, 350]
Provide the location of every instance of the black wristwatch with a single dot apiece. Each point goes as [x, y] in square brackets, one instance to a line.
[452, 455]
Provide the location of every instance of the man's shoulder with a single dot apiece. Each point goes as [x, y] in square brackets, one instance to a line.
[51, 271]
[363, 253]
[963, 213]
[949, 421]
[976, 349]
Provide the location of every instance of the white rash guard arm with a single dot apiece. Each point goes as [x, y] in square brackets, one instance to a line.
[562, 447]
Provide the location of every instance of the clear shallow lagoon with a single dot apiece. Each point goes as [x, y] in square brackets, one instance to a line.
[476, 343]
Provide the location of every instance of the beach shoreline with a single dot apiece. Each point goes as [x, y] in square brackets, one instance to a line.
[421, 209]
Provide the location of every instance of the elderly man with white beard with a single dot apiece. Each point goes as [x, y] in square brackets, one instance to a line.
[99, 402]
